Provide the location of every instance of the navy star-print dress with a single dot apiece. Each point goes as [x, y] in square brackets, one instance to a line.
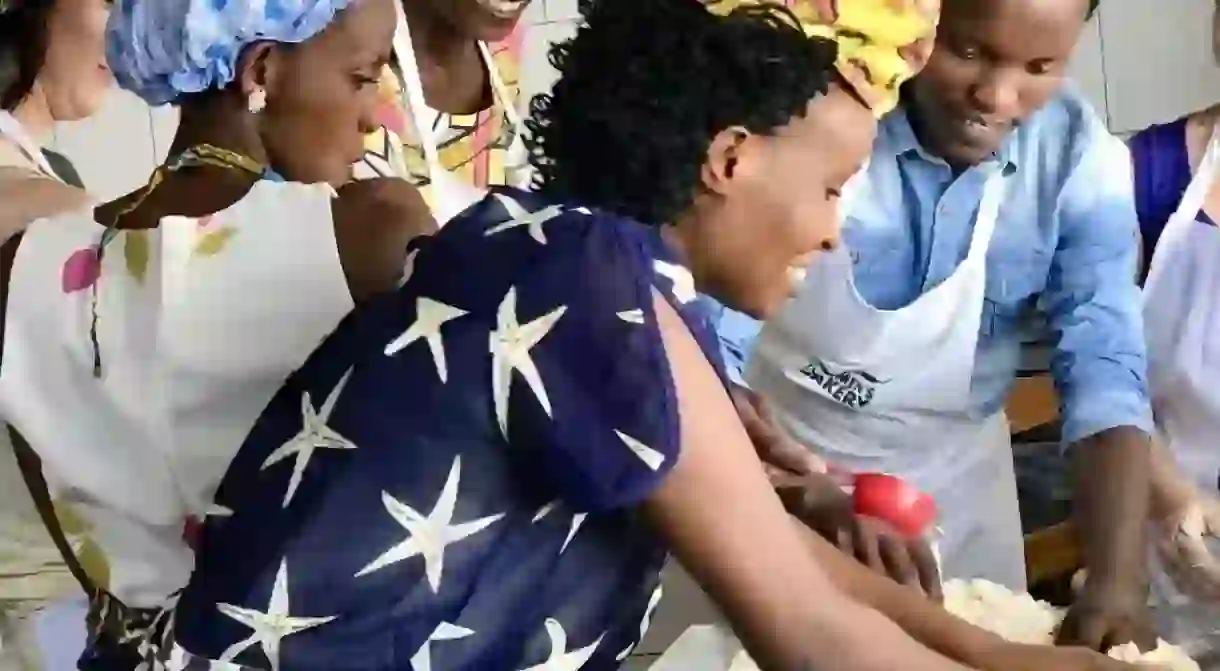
[449, 482]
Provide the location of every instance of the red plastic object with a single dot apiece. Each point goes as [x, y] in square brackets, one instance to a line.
[893, 501]
[191, 528]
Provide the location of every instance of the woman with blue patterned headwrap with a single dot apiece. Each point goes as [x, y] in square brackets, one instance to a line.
[145, 336]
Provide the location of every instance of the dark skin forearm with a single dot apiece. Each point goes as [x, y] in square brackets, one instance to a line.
[923, 620]
[1112, 496]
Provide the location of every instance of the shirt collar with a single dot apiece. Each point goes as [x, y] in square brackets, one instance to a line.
[897, 138]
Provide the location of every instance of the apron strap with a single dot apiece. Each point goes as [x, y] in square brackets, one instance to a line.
[31, 472]
[1188, 208]
[27, 458]
[404, 51]
[12, 129]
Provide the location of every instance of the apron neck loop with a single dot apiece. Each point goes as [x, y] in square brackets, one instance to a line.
[994, 190]
[1188, 207]
[404, 51]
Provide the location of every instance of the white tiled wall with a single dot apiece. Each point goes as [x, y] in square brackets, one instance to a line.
[1139, 62]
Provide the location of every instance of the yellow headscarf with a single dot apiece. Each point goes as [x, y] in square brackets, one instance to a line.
[882, 43]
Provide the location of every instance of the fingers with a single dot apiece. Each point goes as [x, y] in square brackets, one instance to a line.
[898, 562]
[1087, 630]
[1189, 563]
[772, 447]
[1199, 568]
[928, 569]
[907, 562]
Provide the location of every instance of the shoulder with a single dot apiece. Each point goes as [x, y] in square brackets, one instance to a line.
[517, 238]
[374, 222]
[1159, 135]
[11, 157]
[384, 196]
[1072, 154]
[1065, 129]
[29, 196]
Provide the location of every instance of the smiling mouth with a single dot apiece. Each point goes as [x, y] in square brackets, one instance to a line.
[977, 130]
[504, 9]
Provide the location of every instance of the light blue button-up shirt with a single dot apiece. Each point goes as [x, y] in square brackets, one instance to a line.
[1065, 244]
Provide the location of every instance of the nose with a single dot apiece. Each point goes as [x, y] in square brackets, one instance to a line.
[830, 244]
[997, 94]
[368, 123]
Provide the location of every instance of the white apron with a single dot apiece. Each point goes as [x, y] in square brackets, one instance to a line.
[1182, 330]
[10, 128]
[451, 195]
[25, 545]
[199, 323]
[889, 391]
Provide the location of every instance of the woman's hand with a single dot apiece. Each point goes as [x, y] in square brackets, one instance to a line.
[1018, 657]
[799, 477]
[1182, 545]
[885, 551]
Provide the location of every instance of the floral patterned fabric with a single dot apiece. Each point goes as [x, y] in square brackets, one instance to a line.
[882, 43]
[476, 147]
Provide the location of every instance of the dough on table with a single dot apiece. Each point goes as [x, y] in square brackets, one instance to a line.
[1022, 619]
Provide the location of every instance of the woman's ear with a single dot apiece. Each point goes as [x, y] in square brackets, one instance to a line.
[256, 70]
[723, 164]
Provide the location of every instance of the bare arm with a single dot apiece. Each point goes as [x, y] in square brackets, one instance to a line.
[722, 520]
[374, 221]
[28, 196]
[924, 620]
[1170, 491]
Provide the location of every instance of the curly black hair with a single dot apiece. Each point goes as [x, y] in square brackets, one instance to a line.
[646, 85]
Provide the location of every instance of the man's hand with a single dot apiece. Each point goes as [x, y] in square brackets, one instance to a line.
[1111, 511]
[815, 498]
[1107, 615]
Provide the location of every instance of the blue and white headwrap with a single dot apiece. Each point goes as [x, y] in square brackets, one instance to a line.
[161, 49]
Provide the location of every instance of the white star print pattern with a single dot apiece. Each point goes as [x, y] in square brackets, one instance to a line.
[272, 627]
[653, 602]
[430, 316]
[632, 316]
[560, 659]
[577, 520]
[422, 660]
[408, 268]
[544, 511]
[519, 216]
[683, 281]
[651, 458]
[430, 535]
[217, 510]
[314, 435]
[511, 343]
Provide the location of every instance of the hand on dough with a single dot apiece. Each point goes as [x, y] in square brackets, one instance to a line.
[1183, 546]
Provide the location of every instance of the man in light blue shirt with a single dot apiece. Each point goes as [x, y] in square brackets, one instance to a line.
[990, 104]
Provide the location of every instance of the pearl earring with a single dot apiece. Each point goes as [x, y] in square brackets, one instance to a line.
[257, 100]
